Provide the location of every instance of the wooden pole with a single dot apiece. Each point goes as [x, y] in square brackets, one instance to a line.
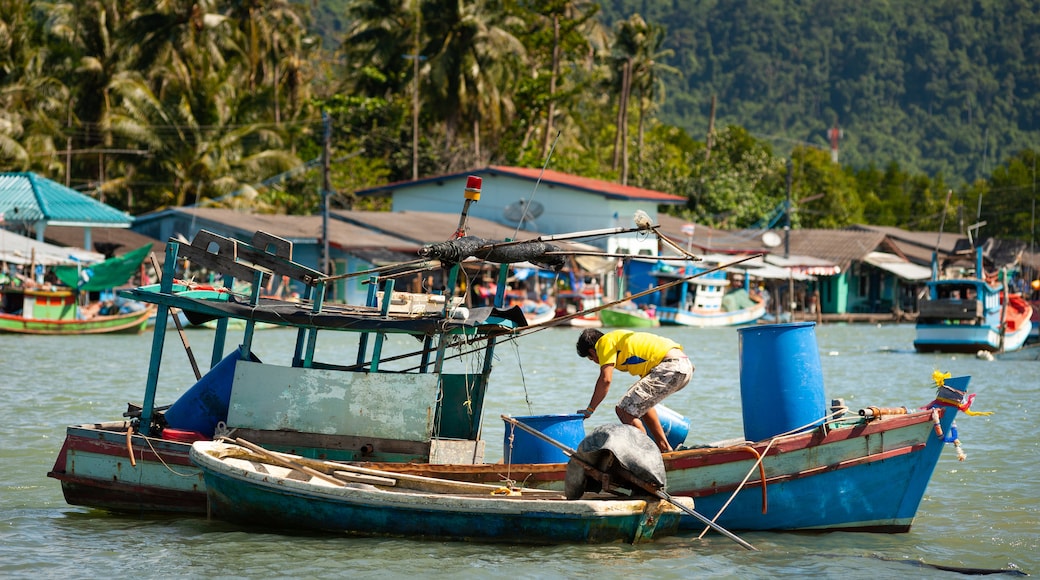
[174, 312]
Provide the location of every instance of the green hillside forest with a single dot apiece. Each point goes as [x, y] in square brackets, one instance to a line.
[888, 113]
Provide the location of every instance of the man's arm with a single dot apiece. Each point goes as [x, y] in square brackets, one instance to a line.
[606, 375]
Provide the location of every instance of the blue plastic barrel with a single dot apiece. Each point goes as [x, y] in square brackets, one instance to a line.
[206, 403]
[526, 448]
[676, 427]
[781, 382]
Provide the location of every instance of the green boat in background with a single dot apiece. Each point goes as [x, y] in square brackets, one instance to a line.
[618, 317]
[58, 309]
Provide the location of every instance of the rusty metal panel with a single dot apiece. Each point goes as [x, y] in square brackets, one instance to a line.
[333, 402]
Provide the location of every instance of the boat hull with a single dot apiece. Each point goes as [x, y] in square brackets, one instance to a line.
[618, 318]
[670, 316]
[968, 315]
[129, 323]
[95, 470]
[838, 480]
[966, 338]
[239, 493]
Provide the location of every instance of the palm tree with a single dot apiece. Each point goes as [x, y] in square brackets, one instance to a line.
[637, 56]
[647, 79]
[559, 36]
[629, 40]
[32, 100]
[473, 64]
[375, 49]
[274, 45]
[176, 42]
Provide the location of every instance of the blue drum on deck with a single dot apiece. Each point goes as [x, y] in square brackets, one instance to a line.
[519, 446]
[206, 403]
[676, 427]
[781, 382]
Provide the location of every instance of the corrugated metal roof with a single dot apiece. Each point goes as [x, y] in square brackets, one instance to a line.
[898, 266]
[709, 239]
[916, 246]
[605, 188]
[427, 227]
[18, 249]
[27, 197]
[839, 246]
[298, 228]
[114, 241]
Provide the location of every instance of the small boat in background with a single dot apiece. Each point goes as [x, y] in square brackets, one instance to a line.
[54, 310]
[703, 301]
[250, 485]
[972, 314]
[59, 307]
[573, 307]
[620, 317]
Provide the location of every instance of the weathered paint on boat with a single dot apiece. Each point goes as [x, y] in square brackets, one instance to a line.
[95, 468]
[837, 477]
[316, 408]
[277, 497]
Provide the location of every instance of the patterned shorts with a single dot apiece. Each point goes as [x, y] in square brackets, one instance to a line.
[669, 376]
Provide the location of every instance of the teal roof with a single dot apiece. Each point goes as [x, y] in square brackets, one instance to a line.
[27, 197]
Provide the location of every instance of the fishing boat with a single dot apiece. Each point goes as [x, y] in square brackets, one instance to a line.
[802, 466]
[252, 486]
[580, 309]
[420, 412]
[370, 403]
[703, 298]
[60, 308]
[621, 317]
[56, 311]
[972, 314]
[424, 405]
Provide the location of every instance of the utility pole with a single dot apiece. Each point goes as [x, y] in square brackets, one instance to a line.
[415, 98]
[787, 212]
[711, 131]
[326, 188]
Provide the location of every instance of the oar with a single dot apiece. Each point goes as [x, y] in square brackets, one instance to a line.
[646, 485]
[288, 463]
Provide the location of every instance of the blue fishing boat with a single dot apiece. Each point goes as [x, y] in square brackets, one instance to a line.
[971, 314]
[249, 485]
[802, 464]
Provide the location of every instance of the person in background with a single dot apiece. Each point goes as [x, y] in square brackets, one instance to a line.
[660, 363]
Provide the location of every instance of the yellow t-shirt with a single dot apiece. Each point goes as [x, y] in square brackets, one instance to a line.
[636, 353]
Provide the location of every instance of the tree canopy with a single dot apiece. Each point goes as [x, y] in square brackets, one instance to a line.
[230, 102]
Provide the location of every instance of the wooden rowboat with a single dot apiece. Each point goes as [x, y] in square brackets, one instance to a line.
[256, 487]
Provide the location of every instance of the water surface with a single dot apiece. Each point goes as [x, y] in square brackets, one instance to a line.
[980, 513]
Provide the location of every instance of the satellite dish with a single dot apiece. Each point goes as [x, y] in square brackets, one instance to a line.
[771, 240]
[523, 211]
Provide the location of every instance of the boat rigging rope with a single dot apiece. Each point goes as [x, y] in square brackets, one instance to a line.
[762, 475]
[163, 461]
